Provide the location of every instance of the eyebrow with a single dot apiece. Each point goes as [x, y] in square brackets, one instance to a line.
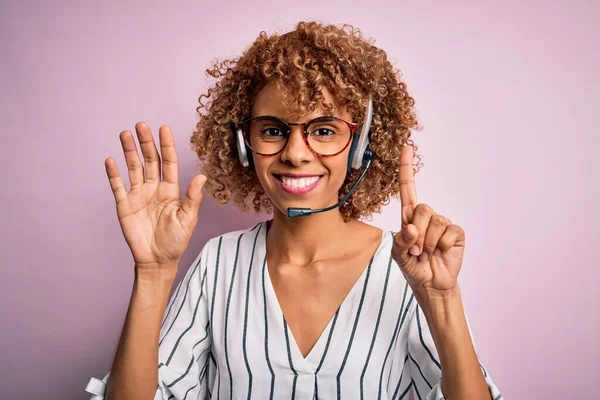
[336, 113]
[285, 120]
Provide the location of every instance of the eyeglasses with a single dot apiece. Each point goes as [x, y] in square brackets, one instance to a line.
[324, 136]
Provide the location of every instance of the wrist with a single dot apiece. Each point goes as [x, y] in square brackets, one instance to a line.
[442, 310]
[152, 284]
[155, 273]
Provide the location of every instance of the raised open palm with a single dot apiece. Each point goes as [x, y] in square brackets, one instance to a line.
[428, 248]
[156, 224]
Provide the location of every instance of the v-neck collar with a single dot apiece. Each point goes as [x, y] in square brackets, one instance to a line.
[310, 363]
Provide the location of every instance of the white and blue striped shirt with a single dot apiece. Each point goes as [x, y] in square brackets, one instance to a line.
[224, 335]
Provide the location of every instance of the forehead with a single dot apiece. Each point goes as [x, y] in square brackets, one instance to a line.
[270, 101]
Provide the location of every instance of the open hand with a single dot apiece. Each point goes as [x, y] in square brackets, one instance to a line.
[156, 224]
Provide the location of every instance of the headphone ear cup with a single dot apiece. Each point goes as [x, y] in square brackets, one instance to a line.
[353, 146]
[360, 144]
[242, 148]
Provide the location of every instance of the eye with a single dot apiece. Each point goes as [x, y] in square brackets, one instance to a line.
[323, 132]
[326, 127]
[273, 131]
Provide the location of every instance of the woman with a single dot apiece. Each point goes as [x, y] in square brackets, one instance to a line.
[303, 306]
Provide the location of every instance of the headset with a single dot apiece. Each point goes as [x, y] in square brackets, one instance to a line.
[360, 154]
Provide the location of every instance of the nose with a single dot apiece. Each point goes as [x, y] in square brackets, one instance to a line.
[296, 152]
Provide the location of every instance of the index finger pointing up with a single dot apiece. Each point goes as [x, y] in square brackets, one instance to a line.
[408, 192]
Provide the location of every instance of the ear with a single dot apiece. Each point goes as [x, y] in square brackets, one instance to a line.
[250, 159]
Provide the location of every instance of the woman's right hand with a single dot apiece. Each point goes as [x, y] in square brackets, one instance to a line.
[156, 224]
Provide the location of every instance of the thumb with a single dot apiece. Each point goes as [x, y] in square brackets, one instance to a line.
[403, 241]
[192, 200]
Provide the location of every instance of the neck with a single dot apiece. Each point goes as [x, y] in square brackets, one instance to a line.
[303, 240]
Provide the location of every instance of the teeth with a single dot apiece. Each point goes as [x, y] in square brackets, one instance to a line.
[299, 183]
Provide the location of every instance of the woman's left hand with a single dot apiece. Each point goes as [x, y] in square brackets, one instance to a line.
[429, 248]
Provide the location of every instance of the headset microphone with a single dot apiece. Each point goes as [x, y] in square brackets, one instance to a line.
[301, 212]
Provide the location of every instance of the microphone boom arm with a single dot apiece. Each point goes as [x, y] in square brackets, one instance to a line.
[293, 212]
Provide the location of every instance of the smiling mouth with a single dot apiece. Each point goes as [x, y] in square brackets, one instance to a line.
[298, 183]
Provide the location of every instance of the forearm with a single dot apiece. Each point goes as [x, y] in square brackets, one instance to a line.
[134, 373]
[461, 373]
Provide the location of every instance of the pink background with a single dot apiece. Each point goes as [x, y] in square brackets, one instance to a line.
[508, 95]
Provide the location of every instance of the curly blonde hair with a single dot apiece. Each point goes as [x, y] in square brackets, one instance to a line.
[303, 62]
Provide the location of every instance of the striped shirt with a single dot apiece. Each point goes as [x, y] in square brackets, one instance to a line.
[224, 336]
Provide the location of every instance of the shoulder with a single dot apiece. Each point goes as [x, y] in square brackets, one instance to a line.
[230, 243]
[231, 238]
[373, 239]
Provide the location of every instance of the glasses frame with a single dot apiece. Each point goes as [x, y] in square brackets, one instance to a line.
[243, 126]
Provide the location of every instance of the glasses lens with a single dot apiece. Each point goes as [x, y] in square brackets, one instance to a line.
[268, 135]
[328, 135]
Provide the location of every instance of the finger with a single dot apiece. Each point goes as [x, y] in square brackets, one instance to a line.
[408, 193]
[151, 157]
[421, 218]
[192, 200]
[454, 236]
[169, 155]
[435, 230]
[135, 169]
[403, 241]
[116, 183]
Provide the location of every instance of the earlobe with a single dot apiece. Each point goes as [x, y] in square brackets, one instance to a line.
[250, 160]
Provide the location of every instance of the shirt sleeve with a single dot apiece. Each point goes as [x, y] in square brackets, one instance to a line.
[184, 340]
[423, 361]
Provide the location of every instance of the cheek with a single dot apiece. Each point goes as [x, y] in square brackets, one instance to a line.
[261, 169]
[337, 167]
